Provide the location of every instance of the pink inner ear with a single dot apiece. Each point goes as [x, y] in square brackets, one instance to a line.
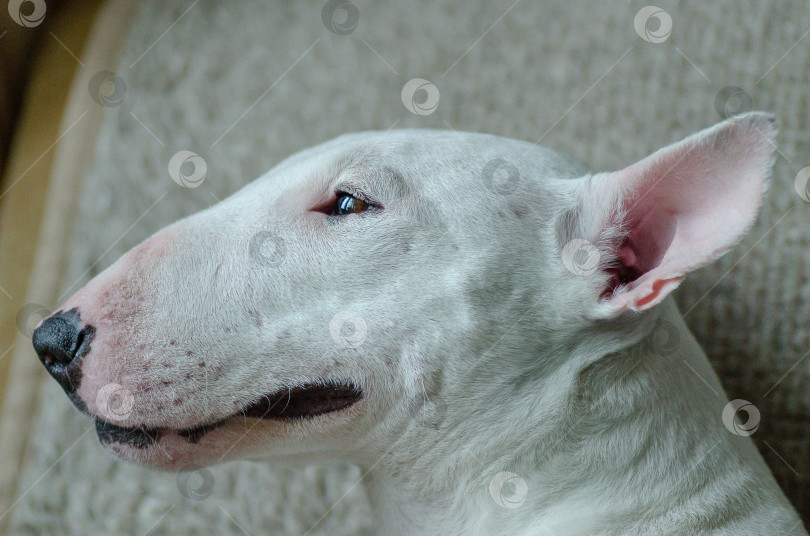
[650, 236]
[687, 204]
[650, 232]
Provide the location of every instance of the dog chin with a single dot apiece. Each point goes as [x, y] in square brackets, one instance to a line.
[164, 458]
[169, 450]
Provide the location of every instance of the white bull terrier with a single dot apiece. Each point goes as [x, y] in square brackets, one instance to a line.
[479, 323]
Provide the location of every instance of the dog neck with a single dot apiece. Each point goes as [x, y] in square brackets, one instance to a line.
[547, 453]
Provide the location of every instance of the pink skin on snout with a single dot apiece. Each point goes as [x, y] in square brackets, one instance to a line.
[117, 303]
[114, 303]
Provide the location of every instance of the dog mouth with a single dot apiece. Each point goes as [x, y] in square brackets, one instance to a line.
[297, 403]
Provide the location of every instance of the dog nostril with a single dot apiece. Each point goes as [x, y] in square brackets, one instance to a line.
[54, 340]
[58, 341]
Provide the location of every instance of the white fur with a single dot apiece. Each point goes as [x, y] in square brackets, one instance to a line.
[482, 354]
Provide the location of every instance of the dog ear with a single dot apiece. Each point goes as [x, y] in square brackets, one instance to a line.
[678, 209]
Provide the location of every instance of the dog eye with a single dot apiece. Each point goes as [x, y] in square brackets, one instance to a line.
[349, 204]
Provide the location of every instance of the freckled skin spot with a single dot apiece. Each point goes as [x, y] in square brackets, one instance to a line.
[257, 318]
[519, 211]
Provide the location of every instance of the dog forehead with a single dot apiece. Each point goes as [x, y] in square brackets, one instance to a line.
[414, 160]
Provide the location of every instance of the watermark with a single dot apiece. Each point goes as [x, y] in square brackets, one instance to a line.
[348, 329]
[664, 338]
[115, 402]
[653, 24]
[340, 17]
[267, 249]
[428, 410]
[580, 257]
[29, 316]
[735, 425]
[802, 184]
[508, 490]
[187, 169]
[732, 101]
[196, 483]
[500, 176]
[107, 89]
[420, 96]
[28, 13]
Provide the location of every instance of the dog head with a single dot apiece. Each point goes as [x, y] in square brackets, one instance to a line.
[386, 287]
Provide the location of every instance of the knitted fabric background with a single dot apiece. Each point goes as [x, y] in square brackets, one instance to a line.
[244, 84]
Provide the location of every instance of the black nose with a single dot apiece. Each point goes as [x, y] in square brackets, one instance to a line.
[59, 341]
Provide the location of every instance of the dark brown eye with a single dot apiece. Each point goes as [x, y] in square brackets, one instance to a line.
[348, 204]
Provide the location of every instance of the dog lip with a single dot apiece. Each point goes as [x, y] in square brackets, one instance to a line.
[139, 437]
[304, 401]
[300, 402]
[195, 433]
